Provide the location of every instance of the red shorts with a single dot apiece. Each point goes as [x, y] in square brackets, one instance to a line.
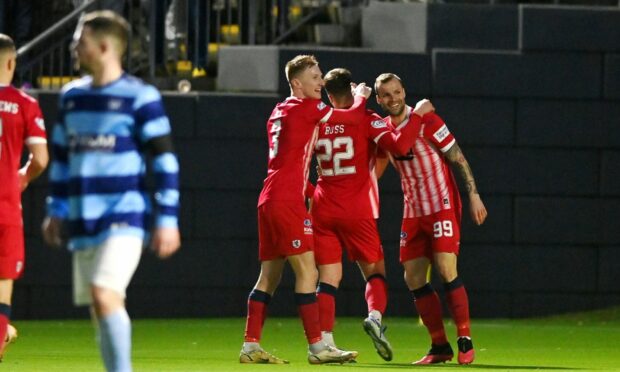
[11, 251]
[284, 229]
[422, 236]
[359, 237]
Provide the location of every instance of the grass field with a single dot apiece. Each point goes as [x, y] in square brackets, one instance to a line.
[585, 342]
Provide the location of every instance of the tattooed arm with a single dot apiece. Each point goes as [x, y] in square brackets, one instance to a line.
[476, 208]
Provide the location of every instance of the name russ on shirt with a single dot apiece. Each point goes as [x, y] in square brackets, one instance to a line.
[334, 129]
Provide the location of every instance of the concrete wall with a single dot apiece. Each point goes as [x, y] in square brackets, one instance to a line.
[537, 118]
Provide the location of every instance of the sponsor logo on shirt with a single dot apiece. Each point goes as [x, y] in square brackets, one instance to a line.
[19, 266]
[403, 235]
[307, 222]
[378, 124]
[40, 123]
[296, 243]
[441, 133]
[10, 107]
[114, 104]
[321, 106]
[307, 227]
[101, 142]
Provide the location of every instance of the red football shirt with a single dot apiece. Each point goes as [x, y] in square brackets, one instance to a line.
[347, 187]
[426, 179]
[292, 131]
[21, 123]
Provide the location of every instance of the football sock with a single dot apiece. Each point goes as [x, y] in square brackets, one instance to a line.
[326, 297]
[308, 309]
[458, 303]
[376, 293]
[427, 303]
[115, 333]
[328, 338]
[5, 315]
[257, 313]
[250, 346]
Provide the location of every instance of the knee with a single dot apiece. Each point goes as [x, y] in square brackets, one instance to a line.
[447, 272]
[414, 280]
[106, 301]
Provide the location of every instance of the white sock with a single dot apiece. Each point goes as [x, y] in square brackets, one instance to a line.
[250, 346]
[328, 338]
[317, 347]
[375, 314]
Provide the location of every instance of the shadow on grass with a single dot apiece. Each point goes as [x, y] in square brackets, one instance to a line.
[476, 366]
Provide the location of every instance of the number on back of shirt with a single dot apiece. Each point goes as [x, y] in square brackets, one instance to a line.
[276, 127]
[336, 150]
[442, 228]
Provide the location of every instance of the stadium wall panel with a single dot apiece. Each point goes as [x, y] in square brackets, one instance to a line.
[556, 220]
[608, 274]
[569, 28]
[612, 76]
[535, 171]
[571, 124]
[384, 24]
[475, 121]
[510, 74]
[610, 173]
[468, 25]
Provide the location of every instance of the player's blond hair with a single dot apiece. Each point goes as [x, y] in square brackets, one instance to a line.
[384, 78]
[108, 23]
[6, 45]
[299, 64]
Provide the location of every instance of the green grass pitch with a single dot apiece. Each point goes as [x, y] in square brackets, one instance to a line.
[585, 342]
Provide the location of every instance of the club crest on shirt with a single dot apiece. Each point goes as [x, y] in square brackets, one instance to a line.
[40, 123]
[378, 124]
[403, 235]
[296, 243]
[321, 106]
[307, 227]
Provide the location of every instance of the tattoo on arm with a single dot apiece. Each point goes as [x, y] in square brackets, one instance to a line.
[457, 159]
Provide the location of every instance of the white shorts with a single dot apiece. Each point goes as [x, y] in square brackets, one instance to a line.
[108, 265]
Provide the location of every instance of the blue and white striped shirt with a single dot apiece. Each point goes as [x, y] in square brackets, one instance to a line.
[98, 168]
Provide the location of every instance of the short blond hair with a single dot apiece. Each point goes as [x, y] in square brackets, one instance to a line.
[108, 23]
[299, 64]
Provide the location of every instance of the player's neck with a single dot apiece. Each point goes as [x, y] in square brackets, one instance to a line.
[107, 74]
[398, 119]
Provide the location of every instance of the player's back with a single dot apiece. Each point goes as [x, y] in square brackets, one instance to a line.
[20, 122]
[347, 186]
[291, 131]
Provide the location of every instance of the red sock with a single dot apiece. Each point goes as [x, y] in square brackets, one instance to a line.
[458, 303]
[428, 306]
[308, 309]
[376, 293]
[327, 306]
[5, 314]
[257, 313]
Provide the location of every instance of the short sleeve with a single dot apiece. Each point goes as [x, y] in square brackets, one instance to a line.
[436, 131]
[35, 125]
[317, 110]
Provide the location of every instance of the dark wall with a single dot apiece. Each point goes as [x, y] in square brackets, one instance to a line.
[540, 126]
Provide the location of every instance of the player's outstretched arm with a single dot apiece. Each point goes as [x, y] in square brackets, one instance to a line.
[477, 209]
[356, 113]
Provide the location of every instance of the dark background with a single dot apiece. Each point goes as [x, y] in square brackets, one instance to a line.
[535, 107]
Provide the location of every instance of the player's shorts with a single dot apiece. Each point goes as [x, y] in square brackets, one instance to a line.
[109, 265]
[11, 251]
[359, 237]
[423, 236]
[284, 229]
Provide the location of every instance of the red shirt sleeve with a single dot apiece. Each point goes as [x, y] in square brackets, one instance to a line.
[436, 131]
[401, 140]
[353, 115]
[35, 125]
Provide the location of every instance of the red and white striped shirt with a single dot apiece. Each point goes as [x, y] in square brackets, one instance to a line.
[426, 179]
